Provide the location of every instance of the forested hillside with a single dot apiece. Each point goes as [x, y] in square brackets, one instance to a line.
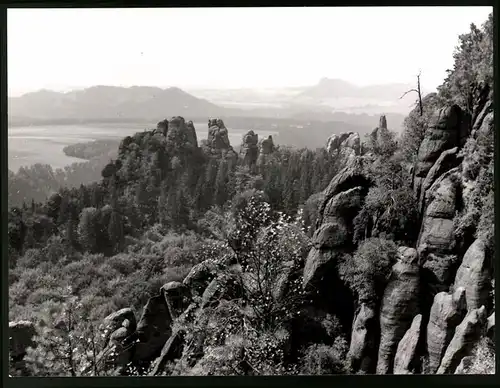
[369, 255]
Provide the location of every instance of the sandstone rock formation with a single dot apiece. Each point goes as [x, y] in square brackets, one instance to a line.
[181, 134]
[474, 275]
[266, 148]
[154, 328]
[346, 145]
[249, 149]
[447, 311]
[399, 305]
[406, 353]
[448, 129]
[466, 336]
[362, 352]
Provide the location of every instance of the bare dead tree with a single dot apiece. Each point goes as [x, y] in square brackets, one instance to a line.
[418, 91]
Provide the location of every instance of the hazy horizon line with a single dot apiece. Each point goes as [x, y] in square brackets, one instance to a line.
[68, 89]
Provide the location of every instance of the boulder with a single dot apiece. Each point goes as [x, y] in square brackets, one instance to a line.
[474, 275]
[177, 297]
[447, 311]
[399, 305]
[116, 320]
[154, 328]
[200, 276]
[465, 338]
[406, 353]
[362, 352]
[266, 148]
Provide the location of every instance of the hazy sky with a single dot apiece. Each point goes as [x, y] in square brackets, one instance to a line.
[232, 47]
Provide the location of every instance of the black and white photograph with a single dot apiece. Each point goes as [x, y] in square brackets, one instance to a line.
[250, 191]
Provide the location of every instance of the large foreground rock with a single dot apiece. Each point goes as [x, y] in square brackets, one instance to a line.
[364, 330]
[154, 328]
[406, 354]
[466, 336]
[447, 311]
[475, 276]
[400, 303]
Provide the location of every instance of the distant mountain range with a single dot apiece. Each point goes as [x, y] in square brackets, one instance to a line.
[329, 100]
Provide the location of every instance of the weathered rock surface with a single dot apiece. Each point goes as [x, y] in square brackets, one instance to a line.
[448, 129]
[177, 297]
[154, 328]
[447, 160]
[117, 320]
[200, 276]
[362, 350]
[180, 134]
[437, 240]
[466, 336]
[406, 353]
[475, 276]
[399, 305]
[218, 137]
[346, 144]
[249, 149]
[447, 311]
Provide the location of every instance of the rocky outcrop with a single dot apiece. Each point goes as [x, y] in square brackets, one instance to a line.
[266, 148]
[217, 143]
[466, 336]
[200, 276]
[218, 138]
[331, 237]
[448, 129]
[345, 145]
[121, 318]
[177, 297]
[362, 352]
[399, 305]
[249, 149]
[474, 276]
[436, 243]
[406, 353]
[447, 160]
[181, 135]
[154, 328]
[447, 311]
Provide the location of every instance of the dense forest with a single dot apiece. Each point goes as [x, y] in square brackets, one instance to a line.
[373, 254]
